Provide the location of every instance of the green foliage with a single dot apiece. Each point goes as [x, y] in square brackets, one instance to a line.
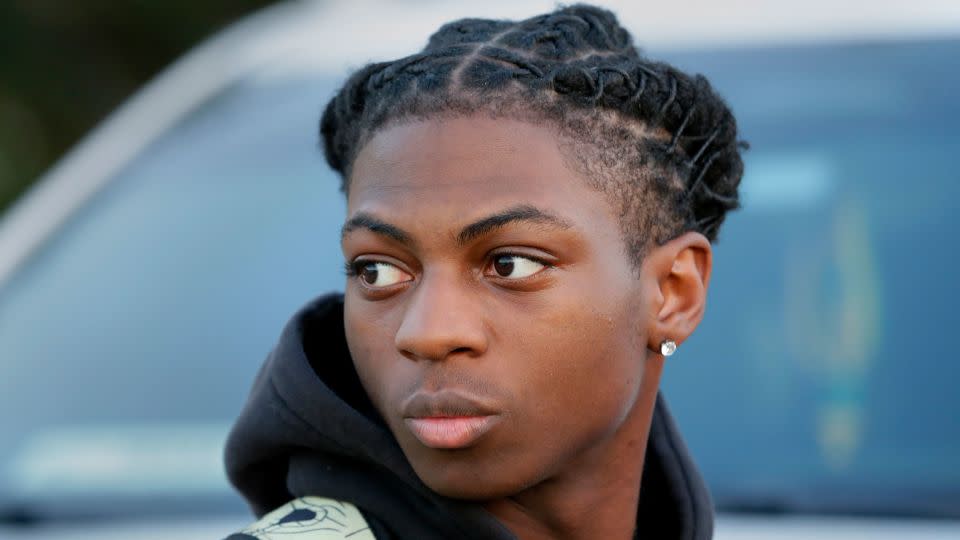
[65, 65]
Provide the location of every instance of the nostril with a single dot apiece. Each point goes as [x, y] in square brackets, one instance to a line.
[412, 355]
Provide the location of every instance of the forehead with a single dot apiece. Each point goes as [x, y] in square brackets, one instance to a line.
[468, 164]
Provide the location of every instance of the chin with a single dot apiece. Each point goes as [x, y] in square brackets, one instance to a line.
[467, 480]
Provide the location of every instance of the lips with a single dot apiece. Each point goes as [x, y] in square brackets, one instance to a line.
[448, 419]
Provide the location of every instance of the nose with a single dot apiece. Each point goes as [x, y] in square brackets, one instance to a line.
[442, 318]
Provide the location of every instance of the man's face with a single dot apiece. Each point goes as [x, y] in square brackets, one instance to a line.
[493, 318]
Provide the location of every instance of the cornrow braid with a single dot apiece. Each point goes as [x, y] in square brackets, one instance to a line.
[660, 143]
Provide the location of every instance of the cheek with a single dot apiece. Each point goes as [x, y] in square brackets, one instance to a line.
[370, 339]
[581, 364]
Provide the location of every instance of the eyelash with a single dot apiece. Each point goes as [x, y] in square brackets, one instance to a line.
[547, 265]
[352, 268]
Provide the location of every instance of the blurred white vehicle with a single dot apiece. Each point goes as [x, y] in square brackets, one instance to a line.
[145, 277]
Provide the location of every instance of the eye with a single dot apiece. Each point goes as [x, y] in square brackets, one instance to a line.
[515, 266]
[378, 274]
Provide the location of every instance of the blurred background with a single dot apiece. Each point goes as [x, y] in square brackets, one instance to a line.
[64, 66]
[167, 210]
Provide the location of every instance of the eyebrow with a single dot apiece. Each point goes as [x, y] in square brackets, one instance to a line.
[522, 213]
[363, 220]
[486, 225]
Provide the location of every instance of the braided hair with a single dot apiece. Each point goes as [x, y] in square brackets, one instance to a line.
[660, 143]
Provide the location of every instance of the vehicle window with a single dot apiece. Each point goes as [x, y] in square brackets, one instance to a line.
[147, 316]
[820, 376]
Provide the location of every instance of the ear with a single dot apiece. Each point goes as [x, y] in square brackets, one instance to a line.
[676, 275]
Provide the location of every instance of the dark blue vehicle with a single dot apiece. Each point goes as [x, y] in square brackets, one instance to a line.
[141, 286]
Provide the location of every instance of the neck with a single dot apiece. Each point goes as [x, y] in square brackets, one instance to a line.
[598, 494]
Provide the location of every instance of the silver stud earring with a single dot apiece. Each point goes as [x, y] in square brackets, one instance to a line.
[668, 347]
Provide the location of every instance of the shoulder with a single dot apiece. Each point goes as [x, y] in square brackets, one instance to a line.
[309, 518]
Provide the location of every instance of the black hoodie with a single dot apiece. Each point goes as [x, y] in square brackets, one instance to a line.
[308, 428]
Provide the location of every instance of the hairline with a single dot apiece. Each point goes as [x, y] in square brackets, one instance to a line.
[612, 184]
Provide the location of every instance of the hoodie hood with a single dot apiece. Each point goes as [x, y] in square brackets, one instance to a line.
[308, 428]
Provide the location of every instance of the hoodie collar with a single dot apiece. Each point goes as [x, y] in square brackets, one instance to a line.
[308, 428]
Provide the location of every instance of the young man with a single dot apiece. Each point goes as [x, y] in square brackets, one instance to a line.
[530, 211]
